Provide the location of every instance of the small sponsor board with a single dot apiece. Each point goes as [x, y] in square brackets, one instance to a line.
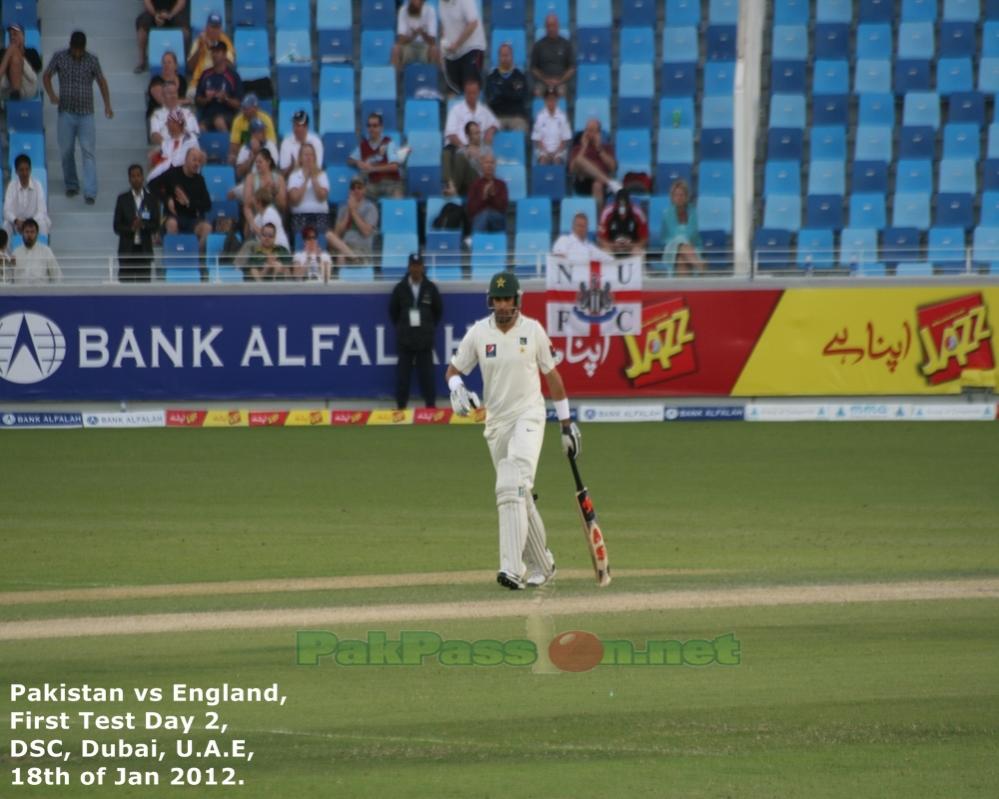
[551, 416]
[267, 418]
[33, 419]
[705, 413]
[390, 417]
[786, 412]
[349, 417]
[431, 415]
[953, 412]
[307, 418]
[232, 418]
[183, 417]
[621, 413]
[477, 416]
[125, 419]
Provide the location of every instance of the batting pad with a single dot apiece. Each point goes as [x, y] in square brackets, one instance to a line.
[511, 502]
[536, 554]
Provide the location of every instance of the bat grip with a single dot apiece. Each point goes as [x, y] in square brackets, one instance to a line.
[575, 473]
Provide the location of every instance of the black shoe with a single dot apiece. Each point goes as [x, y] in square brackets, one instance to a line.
[90, 200]
[508, 581]
[72, 192]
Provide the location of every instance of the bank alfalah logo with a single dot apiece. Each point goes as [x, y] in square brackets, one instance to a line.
[32, 347]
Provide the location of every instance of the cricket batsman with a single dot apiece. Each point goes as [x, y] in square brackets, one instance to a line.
[511, 349]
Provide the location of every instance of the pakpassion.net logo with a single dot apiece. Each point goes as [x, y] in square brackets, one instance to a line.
[575, 650]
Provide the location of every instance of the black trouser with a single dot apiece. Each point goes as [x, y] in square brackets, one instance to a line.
[133, 268]
[424, 359]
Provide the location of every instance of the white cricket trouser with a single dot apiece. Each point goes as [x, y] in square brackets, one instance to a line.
[520, 439]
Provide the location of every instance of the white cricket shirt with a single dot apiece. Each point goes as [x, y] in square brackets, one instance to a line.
[509, 362]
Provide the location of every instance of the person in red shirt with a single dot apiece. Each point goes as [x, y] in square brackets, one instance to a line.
[623, 227]
[488, 199]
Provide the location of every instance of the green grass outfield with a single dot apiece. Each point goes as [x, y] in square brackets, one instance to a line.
[875, 699]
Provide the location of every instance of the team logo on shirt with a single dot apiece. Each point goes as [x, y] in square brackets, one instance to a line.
[523, 341]
[490, 350]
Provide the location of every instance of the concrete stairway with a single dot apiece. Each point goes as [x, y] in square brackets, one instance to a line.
[83, 232]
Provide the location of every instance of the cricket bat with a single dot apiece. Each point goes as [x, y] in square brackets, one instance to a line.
[591, 529]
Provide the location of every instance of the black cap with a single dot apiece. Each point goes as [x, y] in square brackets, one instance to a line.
[415, 258]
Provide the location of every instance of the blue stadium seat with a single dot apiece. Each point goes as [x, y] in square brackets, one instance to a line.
[396, 248]
[24, 116]
[876, 109]
[990, 208]
[683, 12]
[773, 250]
[593, 14]
[990, 174]
[945, 249]
[515, 177]
[787, 76]
[715, 179]
[425, 148]
[508, 14]
[955, 209]
[790, 42]
[378, 15]
[988, 75]
[832, 40]
[868, 209]
[676, 112]
[993, 141]
[225, 209]
[668, 173]
[816, 248]
[921, 109]
[791, 12]
[443, 250]
[334, 15]
[162, 40]
[916, 142]
[336, 83]
[594, 80]
[721, 42]
[915, 40]
[830, 109]
[784, 144]
[954, 75]
[489, 254]
[636, 80]
[530, 250]
[956, 39]
[421, 115]
[215, 146]
[680, 44]
[560, 8]
[292, 15]
[990, 38]
[423, 181]
[638, 12]
[576, 205]
[838, 11]
[714, 213]
[914, 175]
[869, 176]
[914, 269]
[295, 82]
[828, 142]
[337, 148]
[357, 273]
[548, 181]
[633, 148]
[782, 177]
[679, 79]
[961, 141]
[966, 107]
[217, 273]
[181, 258]
[900, 244]
[919, 10]
[871, 270]
[985, 246]
[593, 45]
[378, 83]
[876, 10]
[376, 46]
[831, 76]
[253, 53]
[658, 203]
[873, 143]
[961, 10]
[825, 211]
[787, 111]
[336, 116]
[872, 76]
[634, 112]
[334, 44]
[637, 45]
[534, 215]
[419, 79]
[827, 177]
[398, 216]
[433, 205]
[911, 210]
[719, 78]
[509, 146]
[717, 112]
[592, 108]
[716, 144]
[249, 13]
[716, 249]
[723, 12]
[287, 109]
[858, 245]
[912, 75]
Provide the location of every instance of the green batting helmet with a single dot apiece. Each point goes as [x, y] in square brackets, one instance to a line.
[504, 284]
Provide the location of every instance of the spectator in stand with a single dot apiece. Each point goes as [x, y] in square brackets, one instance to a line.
[173, 150]
[377, 159]
[240, 134]
[187, 200]
[576, 246]
[260, 211]
[159, 14]
[552, 61]
[466, 166]
[257, 143]
[463, 42]
[20, 67]
[308, 194]
[171, 104]
[6, 264]
[311, 262]
[77, 70]
[507, 93]
[136, 220]
[267, 258]
[34, 262]
[623, 228]
[680, 232]
[416, 35]
[592, 164]
[292, 143]
[353, 235]
[488, 200]
[456, 131]
[200, 57]
[220, 92]
[551, 135]
[169, 73]
[265, 175]
[24, 199]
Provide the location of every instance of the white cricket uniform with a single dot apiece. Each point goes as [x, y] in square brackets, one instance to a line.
[515, 407]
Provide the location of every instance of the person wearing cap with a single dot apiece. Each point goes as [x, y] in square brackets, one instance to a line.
[512, 351]
[19, 67]
[25, 199]
[551, 134]
[173, 148]
[240, 134]
[415, 309]
[158, 14]
[377, 159]
[199, 58]
[219, 93]
[171, 104]
[552, 61]
[311, 262]
[300, 134]
[623, 228]
[416, 35]
[576, 247]
[353, 235]
[77, 70]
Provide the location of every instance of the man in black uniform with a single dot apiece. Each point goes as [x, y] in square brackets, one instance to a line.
[415, 309]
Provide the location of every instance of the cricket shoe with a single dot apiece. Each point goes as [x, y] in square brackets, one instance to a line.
[509, 581]
[538, 578]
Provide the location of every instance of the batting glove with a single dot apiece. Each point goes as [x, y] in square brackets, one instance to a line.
[572, 443]
[463, 401]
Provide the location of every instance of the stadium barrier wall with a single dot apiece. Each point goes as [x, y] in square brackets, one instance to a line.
[735, 342]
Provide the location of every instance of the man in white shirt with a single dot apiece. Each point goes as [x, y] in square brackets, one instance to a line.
[24, 199]
[552, 134]
[158, 121]
[456, 131]
[510, 350]
[576, 247]
[463, 42]
[416, 35]
[33, 261]
[292, 143]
